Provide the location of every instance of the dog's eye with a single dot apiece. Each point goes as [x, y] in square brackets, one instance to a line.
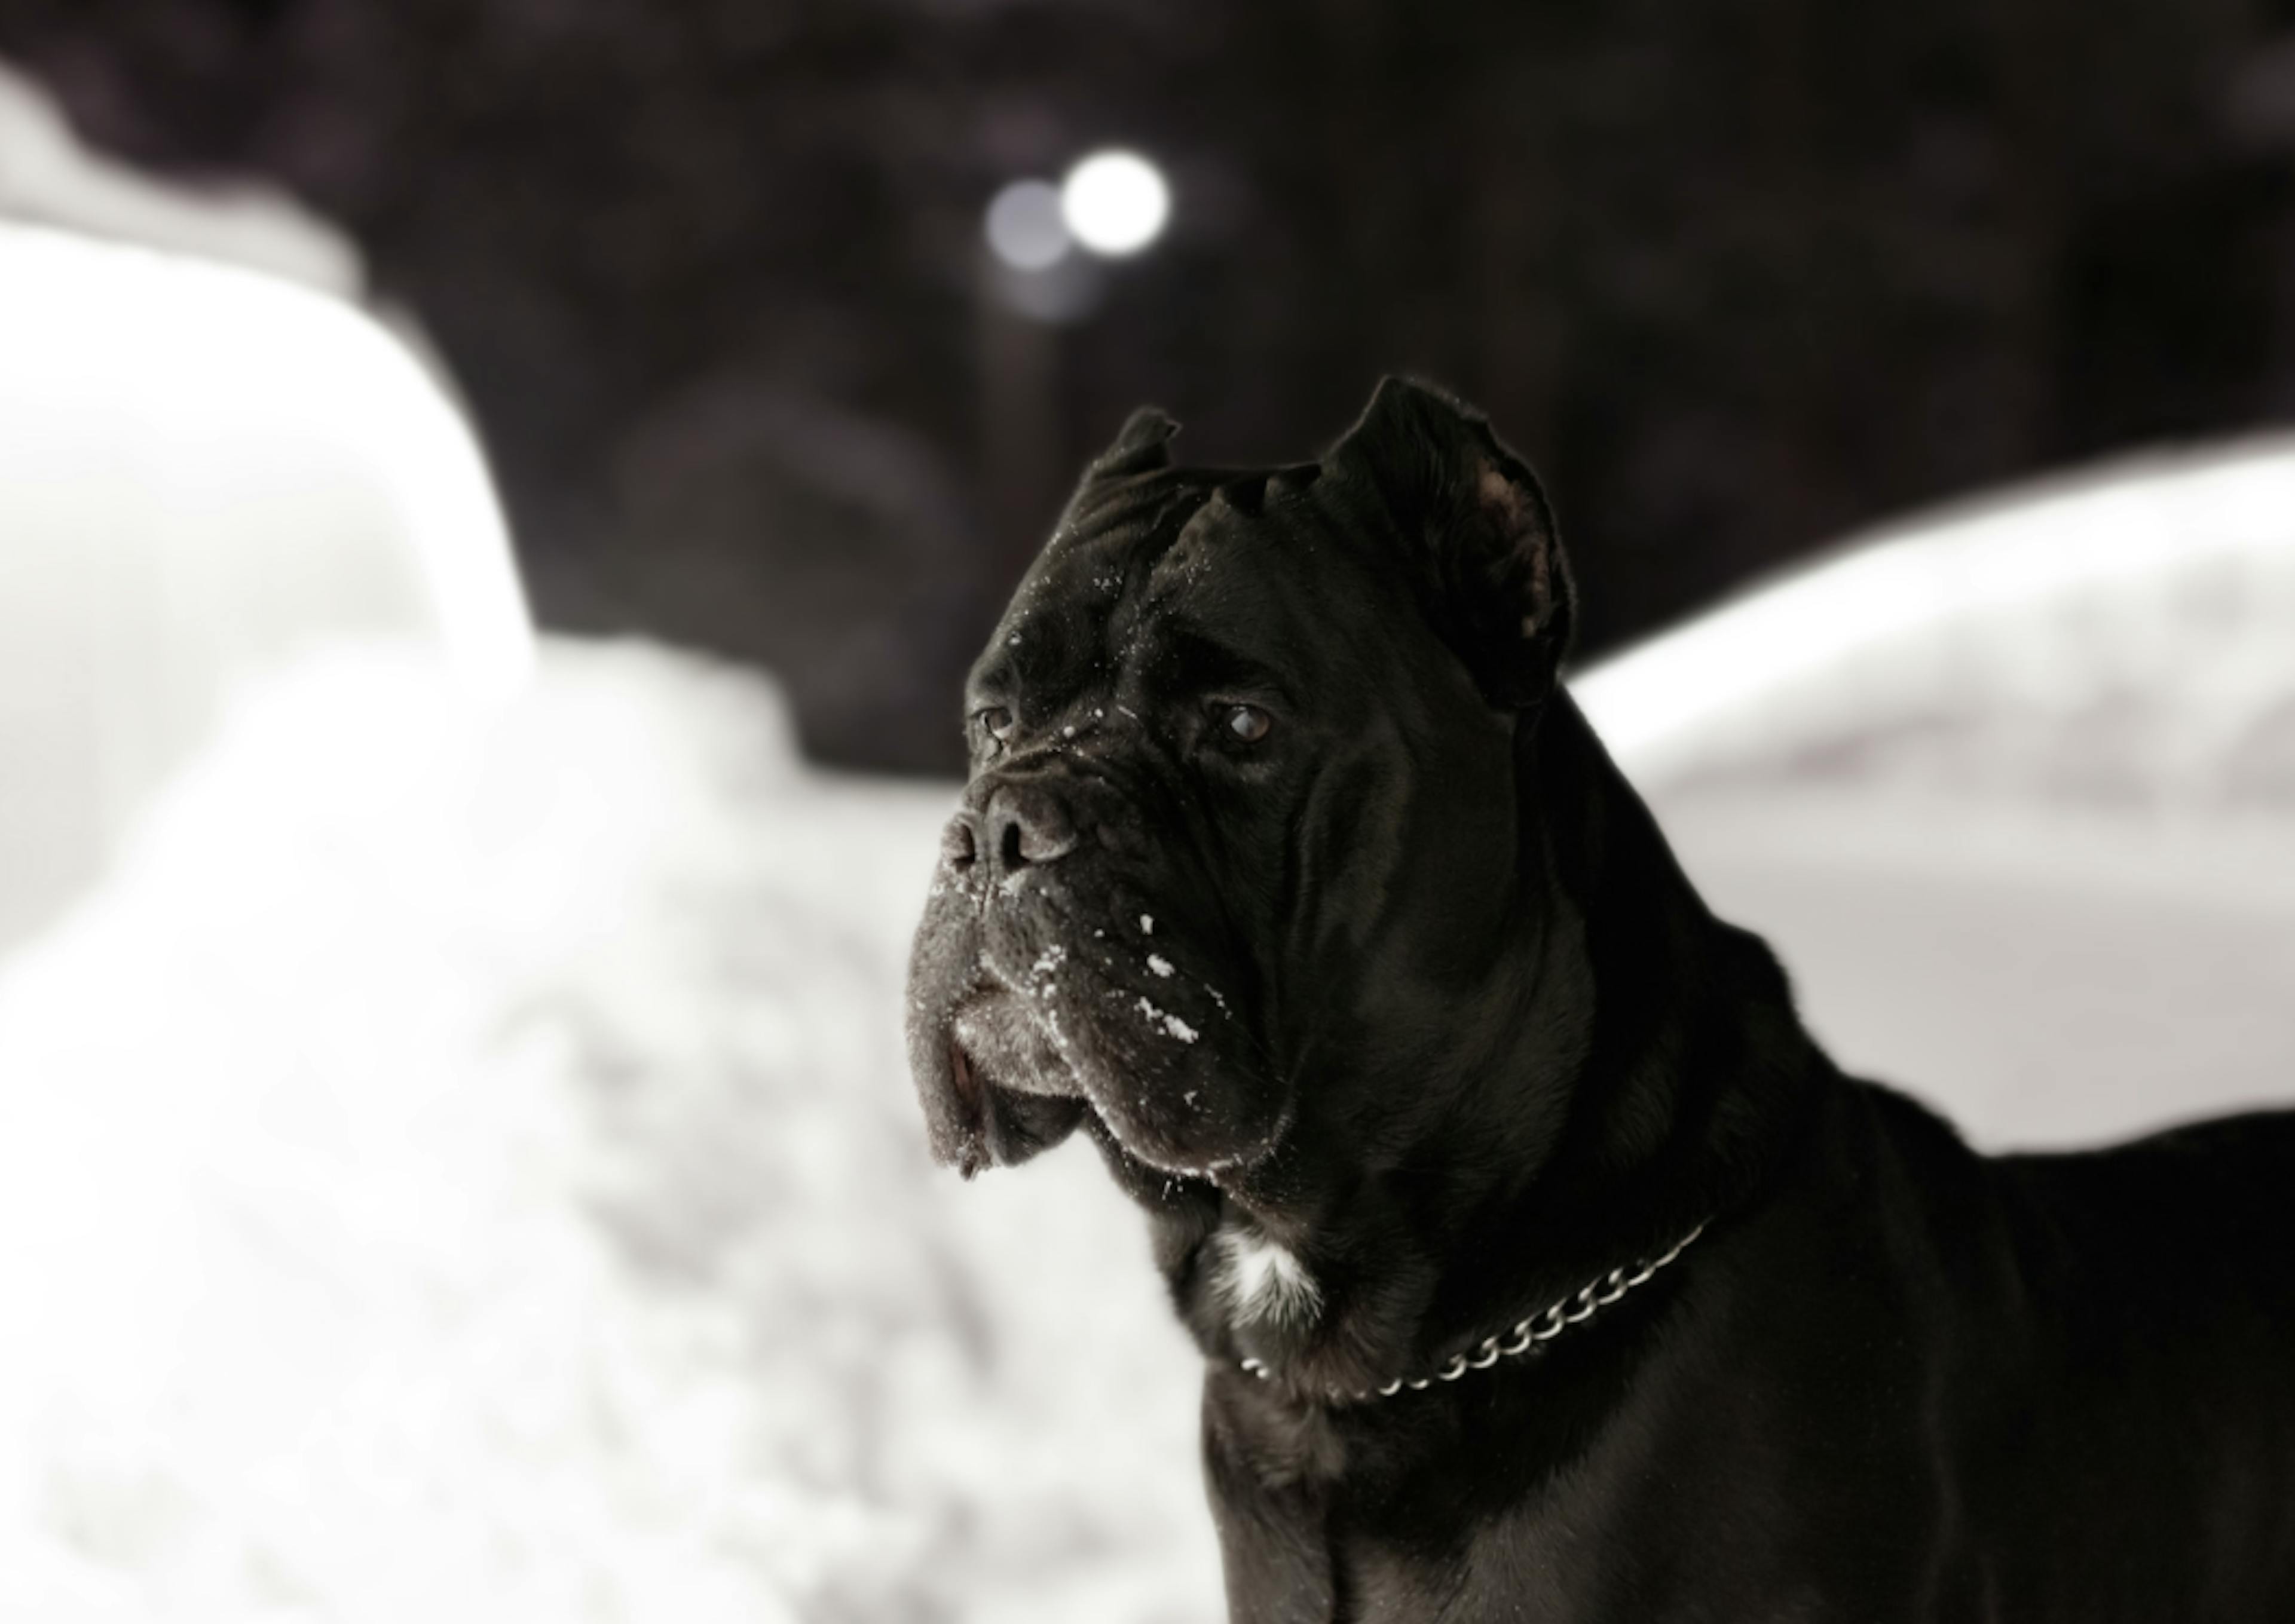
[1246, 723]
[994, 723]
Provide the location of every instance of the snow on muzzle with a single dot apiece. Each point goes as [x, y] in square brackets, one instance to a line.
[1025, 1004]
[970, 1119]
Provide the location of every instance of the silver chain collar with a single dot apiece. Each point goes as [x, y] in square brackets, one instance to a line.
[1529, 1334]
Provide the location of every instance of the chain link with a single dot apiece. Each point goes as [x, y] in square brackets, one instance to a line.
[1529, 1334]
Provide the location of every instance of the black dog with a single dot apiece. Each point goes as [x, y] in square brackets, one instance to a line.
[1545, 1267]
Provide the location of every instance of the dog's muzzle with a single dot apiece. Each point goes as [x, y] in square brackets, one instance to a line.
[1046, 976]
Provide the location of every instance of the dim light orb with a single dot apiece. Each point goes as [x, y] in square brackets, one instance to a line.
[1025, 226]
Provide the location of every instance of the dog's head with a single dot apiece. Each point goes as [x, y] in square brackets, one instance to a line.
[1241, 808]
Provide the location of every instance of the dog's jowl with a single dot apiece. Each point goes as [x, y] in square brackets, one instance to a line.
[1543, 1267]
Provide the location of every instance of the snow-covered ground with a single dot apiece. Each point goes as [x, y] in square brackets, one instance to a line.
[465, 1169]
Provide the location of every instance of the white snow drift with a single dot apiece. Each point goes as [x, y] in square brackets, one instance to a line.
[204, 471]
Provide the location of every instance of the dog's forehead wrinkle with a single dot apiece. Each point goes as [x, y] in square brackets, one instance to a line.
[1094, 654]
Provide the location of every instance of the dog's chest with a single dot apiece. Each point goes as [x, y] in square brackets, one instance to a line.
[1262, 1282]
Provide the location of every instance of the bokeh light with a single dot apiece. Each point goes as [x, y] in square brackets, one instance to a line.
[1116, 202]
[1025, 226]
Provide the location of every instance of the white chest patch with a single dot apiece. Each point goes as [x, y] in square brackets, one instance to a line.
[1259, 1279]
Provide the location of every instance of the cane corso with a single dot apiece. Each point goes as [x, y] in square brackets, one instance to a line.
[1543, 1267]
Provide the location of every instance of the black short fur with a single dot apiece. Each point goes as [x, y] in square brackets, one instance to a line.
[1411, 989]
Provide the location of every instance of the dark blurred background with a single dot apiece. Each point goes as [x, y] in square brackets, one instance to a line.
[1735, 275]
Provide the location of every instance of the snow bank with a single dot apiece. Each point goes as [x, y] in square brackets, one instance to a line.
[204, 471]
[47, 175]
[461, 1169]
[2011, 787]
[2125, 633]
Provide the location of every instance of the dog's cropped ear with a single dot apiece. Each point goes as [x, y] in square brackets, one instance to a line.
[1138, 447]
[1478, 537]
[1138, 450]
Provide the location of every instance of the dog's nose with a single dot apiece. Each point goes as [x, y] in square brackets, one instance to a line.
[959, 841]
[1028, 824]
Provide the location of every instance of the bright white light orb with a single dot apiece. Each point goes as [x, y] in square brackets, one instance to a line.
[1024, 226]
[1116, 202]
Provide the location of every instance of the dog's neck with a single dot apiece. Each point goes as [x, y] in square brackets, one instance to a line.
[1653, 1072]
